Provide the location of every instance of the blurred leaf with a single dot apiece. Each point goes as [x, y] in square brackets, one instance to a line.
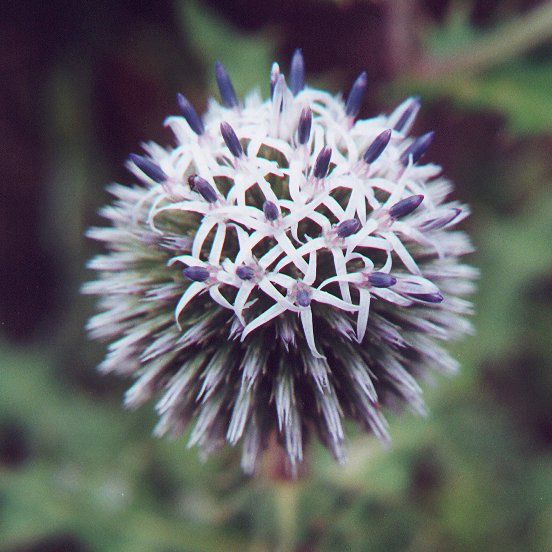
[513, 251]
[519, 91]
[247, 58]
[90, 472]
[454, 32]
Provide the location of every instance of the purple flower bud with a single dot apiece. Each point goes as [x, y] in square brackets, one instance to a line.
[354, 99]
[427, 297]
[297, 72]
[303, 297]
[348, 227]
[231, 140]
[196, 273]
[245, 272]
[405, 206]
[322, 162]
[381, 280]
[148, 167]
[201, 185]
[408, 115]
[304, 128]
[271, 211]
[375, 149]
[226, 88]
[190, 114]
[441, 222]
[417, 148]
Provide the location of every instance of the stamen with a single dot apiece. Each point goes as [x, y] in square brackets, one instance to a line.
[274, 76]
[322, 163]
[304, 128]
[245, 272]
[230, 139]
[408, 115]
[417, 148]
[201, 185]
[151, 169]
[348, 228]
[427, 297]
[375, 149]
[436, 224]
[297, 72]
[405, 206]
[354, 100]
[196, 273]
[381, 280]
[303, 297]
[190, 114]
[226, 88]
[271, 211]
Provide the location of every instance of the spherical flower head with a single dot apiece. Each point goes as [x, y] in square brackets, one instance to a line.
[285, 266]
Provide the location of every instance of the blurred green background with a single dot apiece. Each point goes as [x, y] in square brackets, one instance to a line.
[82, 84]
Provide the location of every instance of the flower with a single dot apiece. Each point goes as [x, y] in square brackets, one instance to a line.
[285, 266]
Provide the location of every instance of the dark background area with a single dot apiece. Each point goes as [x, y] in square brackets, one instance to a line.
[82, 84]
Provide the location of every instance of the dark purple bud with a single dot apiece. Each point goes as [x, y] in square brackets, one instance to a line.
[297, 72]
[405, 206]
[375, 149]
[408, 114]
[304, 128]
[189, 113]
[201, 185]
[245, 272]
[381, 280]
[230, 139]
[303, 297]
[271, 211]
[348, 227]
[226, 88]
[354, 99]
[417, 148]
[196, 273]
[322, 162]
[151, 169]
[436, 224]
[427, 297]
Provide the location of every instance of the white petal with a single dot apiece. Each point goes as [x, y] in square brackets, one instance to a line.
[329, 299]
[392, 297]
[266, 316]
[310, 275]
[218, 243]
[187, 260]
[241, 298]
[341, 270]
[306, 321]
[217, 296]
[207, 224]
[272, 292]
[290, 250]
[189, 294]
[403, 253]
[362, 319]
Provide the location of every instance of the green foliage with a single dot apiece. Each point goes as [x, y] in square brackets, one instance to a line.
[247, 58]
[475, 475]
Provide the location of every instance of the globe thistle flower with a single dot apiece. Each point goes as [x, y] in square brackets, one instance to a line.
[283, 267]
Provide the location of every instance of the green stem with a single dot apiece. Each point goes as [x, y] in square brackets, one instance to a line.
[505, 42]
[286, 502]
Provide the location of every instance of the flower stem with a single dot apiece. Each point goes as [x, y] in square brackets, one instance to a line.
[286, 501]
[504, 42]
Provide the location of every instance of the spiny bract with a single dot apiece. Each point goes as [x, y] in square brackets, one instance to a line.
[283, 267]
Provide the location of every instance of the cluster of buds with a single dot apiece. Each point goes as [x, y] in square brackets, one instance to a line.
[286, 265]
